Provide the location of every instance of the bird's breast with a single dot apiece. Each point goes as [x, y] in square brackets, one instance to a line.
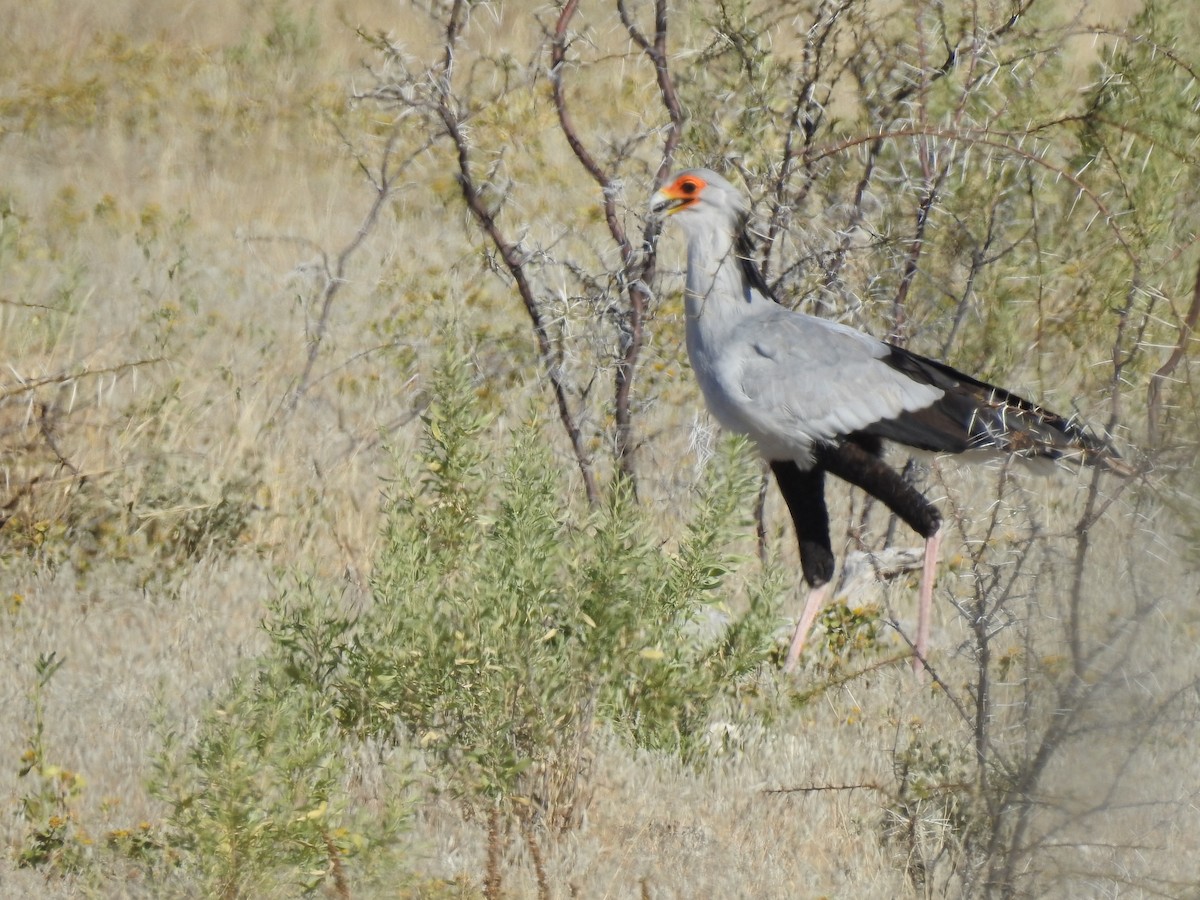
[720, 355]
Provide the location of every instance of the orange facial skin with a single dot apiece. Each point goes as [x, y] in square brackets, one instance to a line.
[683, 192]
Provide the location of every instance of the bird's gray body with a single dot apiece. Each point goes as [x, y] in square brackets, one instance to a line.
[765, 370]
[794, 382]
[818, 397]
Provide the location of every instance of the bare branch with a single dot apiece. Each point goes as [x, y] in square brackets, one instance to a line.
[637, 269]
[1154, 389]
[25, 386]
[513, 258]
[336, 278]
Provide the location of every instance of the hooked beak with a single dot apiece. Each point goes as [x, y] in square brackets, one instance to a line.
[666, 202]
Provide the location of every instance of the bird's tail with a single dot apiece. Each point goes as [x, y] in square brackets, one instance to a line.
[975, 415]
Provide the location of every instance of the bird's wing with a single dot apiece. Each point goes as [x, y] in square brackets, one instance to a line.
[973, 414]
[806, 380]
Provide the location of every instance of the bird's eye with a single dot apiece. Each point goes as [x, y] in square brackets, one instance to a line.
[688, 186]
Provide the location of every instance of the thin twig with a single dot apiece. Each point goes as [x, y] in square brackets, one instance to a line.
[335, 279]
[831, 788]
[25, 386]
[1164, 372]
[988, 138]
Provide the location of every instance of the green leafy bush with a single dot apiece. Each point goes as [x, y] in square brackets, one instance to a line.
[506, 625]
[262, 798]
[54, 839]
[255, 798]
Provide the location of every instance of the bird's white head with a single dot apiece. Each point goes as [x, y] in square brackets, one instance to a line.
[702, 199]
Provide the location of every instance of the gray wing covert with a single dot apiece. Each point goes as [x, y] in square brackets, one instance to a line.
[815, 380]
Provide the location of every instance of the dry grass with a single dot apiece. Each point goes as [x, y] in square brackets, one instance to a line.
[173, 178]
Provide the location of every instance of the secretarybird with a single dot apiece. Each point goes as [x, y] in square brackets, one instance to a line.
[816, 396]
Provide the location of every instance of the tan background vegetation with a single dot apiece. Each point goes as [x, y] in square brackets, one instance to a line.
[172, 184]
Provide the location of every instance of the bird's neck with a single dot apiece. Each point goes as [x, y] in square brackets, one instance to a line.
[716, 281]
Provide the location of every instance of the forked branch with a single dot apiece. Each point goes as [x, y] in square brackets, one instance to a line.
[637, 268]
[513, 258]
[335, 276]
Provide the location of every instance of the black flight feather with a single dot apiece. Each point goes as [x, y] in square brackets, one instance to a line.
[973, 414]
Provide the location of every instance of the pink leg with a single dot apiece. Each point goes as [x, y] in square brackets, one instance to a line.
[933, 546]
[812, 606]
